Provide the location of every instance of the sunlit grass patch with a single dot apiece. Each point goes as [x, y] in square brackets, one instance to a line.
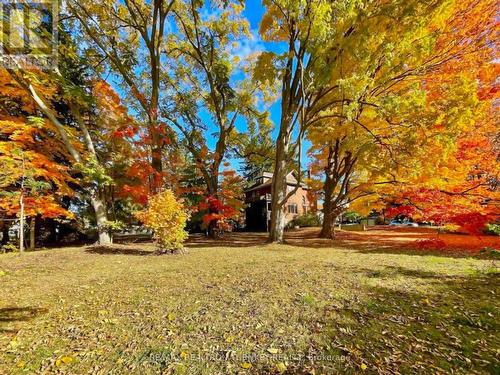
[265, 309]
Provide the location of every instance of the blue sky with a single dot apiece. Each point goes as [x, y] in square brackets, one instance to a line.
[254, 12]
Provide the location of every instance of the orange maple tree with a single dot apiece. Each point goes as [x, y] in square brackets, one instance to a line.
[29, 154]
[459, 180]
[31, 157]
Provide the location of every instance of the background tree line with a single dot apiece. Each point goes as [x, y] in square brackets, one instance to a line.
[396, 99]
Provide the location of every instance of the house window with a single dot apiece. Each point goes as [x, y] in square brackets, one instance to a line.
[292, 208]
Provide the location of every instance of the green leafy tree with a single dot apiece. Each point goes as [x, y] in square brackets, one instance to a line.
[351, 62]
[129, 37]
[205, 97]
[256, 150]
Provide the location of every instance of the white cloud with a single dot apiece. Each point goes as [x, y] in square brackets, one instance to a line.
[248, 45]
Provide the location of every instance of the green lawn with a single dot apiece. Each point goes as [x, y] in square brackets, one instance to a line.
[263, 309]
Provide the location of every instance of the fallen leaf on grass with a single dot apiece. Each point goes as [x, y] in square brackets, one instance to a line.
[246, 365]
[14, 344]
[281, 367]
[64, 359]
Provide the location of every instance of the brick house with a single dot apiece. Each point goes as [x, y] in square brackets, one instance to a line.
[258, 201]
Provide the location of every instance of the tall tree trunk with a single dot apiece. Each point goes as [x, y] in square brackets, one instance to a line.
[101, 219]
[211, 230]
[32, 232]
[213, 187]
[21, 226]
[5, 235]
[156, 160]
[278, 190]
[156, 151]
[336, 186]
[290, 100]
[329, 218]
[329, 212]
[212, 225]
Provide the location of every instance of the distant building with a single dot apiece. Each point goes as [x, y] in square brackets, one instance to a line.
[258, 200]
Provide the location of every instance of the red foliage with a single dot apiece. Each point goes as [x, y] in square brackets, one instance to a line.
[459, 182]
[217, 211]
[472, 222]
[429, 244]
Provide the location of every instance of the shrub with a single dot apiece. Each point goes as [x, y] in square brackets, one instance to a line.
[493, 229]
[450, 228]
[352, 217]
[491, 252]
[167, 217]
[9, 248]
[307, 220]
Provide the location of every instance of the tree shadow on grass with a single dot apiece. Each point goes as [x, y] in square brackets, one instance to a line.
[413, 249]
[234, 239]
[386, 241]
[450, 326]
[17, 314]
[119, 250]
[390, 271]
[350, 240]
[378, 241]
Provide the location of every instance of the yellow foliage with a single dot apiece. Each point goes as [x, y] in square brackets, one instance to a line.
[167, 217]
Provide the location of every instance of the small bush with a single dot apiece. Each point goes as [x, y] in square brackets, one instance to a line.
[307, 220]
[450, 228]
[166, 216]
[352, 217]
[491, 252]
[493, 229]
[9, 248]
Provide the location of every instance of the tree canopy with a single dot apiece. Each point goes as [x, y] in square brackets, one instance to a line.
[396, 102]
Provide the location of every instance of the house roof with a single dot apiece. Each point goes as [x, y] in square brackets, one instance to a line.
[290, 180]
